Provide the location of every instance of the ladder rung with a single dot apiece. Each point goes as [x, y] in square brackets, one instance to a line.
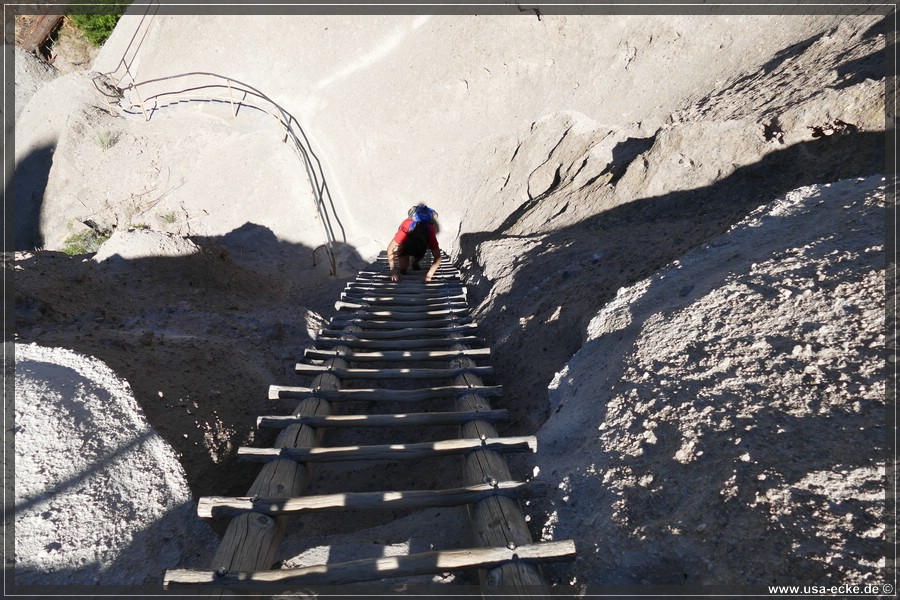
[418, 280]
[354, 288]
[408, 332]
[218, 506]
[397, 420]
[413, 287]
[375, 288]
[417, 307]
[392, 373]
[384, 567]
[427, 315]
[397, 355]
[391, 289]
[411, 451]
[414, 344]
[378, 394]
[403, 300]
[369, 324]
[424, 264]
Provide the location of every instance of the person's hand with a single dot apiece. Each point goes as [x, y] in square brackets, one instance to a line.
[395, 275]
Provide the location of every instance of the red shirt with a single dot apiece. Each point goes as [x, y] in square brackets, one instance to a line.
[400, 236]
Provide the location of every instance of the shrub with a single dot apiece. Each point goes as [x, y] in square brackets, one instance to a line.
[107, 139]
[97, 21]
[84, 242]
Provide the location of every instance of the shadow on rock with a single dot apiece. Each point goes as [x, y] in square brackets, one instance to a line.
[199, 337]
[27, 187]
[565, 276]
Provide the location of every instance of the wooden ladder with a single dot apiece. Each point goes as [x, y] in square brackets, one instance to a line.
[403, 325]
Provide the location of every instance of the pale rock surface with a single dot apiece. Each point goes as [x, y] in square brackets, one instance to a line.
[405, 108]
[38, 129]
[725, 419]
[663, 192]
[100, 498]
[141, 243]
[31, 74]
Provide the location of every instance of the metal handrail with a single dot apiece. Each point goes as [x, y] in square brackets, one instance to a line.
[291, 126]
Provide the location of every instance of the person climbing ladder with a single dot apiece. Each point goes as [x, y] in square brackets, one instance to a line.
[415, 235]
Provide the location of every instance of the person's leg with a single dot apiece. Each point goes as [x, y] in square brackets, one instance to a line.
[403, 263]
[417, 260]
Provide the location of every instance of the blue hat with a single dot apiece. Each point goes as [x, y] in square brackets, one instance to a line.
[422, 214]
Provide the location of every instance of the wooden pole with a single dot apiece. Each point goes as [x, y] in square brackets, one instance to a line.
[403, 333]
[496, 521]
[380, 394]
[396, 420]
[251, 540]
[212, 506]
[374, 569]
[367, 313]
[400, 309]
[397, 355]
[392, 373]
[414, 344]
[411, 451]
[373, 324]
[40, 30]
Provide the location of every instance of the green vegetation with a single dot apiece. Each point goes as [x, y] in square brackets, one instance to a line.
[97, 20]
[169, 217]
[107, 139]
[85, 242]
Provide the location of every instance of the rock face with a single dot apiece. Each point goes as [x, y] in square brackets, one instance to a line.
[406, 108]
[31, 74]
[725, 419]
[562, 242]
[599, 210]
[141, 243]
[100, 498]
[185, 177]
[672, 229]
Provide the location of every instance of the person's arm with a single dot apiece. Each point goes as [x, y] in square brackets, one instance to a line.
[435, 252]
[436, 263]
[393, 250]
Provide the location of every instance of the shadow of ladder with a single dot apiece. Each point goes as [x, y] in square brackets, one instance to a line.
[409, 321]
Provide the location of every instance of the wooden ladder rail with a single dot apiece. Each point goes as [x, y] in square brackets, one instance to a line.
[251, 540]
[506, 558]
[497, 521]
